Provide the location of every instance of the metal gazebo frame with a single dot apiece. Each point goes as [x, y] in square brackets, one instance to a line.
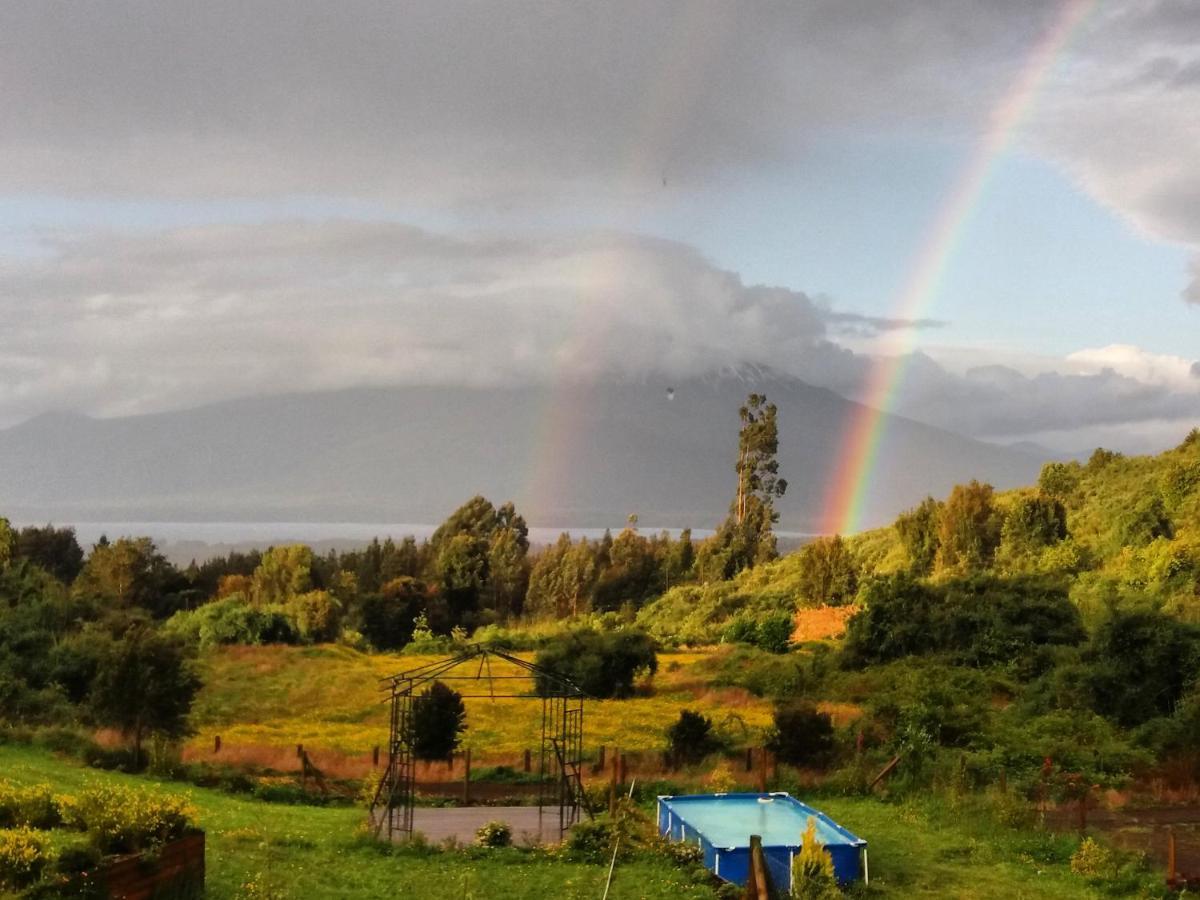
[560, 756]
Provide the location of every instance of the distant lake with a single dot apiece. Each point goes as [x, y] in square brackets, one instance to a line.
[183, 541]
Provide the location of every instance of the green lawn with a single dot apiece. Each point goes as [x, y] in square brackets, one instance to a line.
[264, 850]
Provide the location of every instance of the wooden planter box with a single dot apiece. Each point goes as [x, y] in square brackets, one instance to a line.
[176, 872]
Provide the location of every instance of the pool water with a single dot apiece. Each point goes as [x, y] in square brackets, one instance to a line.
[730, 820]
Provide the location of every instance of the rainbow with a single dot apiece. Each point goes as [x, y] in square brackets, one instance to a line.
[695, 39]
[855, 464]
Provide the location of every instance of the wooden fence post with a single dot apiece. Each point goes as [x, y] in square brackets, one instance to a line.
[217, 744]
[467, 777]
[612, 783]
[528, 760]
[375, 756]
[1170, 857]
[600, 764]
[758, 885]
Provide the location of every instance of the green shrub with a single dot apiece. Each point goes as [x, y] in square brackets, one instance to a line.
[979, 621]
[24, 854]
[234, 620]
[602, 665]
[742, 630]
[775, 632]
[765, 674]
[125, 820]
[77, 858]
[592, 839]
[690, 738]
[494, 834]
[1092, 860]
[1141, 665]
[28, 807]
[801, 735]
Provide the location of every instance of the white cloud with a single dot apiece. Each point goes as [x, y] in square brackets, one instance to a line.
[1174, 372]
[117, 323]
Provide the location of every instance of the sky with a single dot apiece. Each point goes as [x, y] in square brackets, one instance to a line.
[205, 201]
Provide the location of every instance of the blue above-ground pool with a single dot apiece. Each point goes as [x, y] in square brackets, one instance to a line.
[721, 824]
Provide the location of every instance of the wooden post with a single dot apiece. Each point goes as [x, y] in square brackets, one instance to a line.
[762, 770]
[467, 777]
[217, 744]
[612, 784]
[528, 760]
[600, 764]
[758, 885]
[1170, 857]
[375, 756]
[749, 759]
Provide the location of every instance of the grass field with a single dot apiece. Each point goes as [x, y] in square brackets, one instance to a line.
[328, 698]
[262, 850]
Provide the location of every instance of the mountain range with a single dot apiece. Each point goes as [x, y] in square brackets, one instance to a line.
[581, 454]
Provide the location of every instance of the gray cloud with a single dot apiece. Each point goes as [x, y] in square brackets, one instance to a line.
[473, 101]
[478, 104]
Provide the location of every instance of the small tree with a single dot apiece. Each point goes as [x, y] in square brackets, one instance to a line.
[812, 868]
[439, 718]
[969, 531]
[145, 684]
[690, 738]
[828, 573]
[918, 529]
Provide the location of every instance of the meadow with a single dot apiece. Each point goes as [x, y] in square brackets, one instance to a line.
[263, 701]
